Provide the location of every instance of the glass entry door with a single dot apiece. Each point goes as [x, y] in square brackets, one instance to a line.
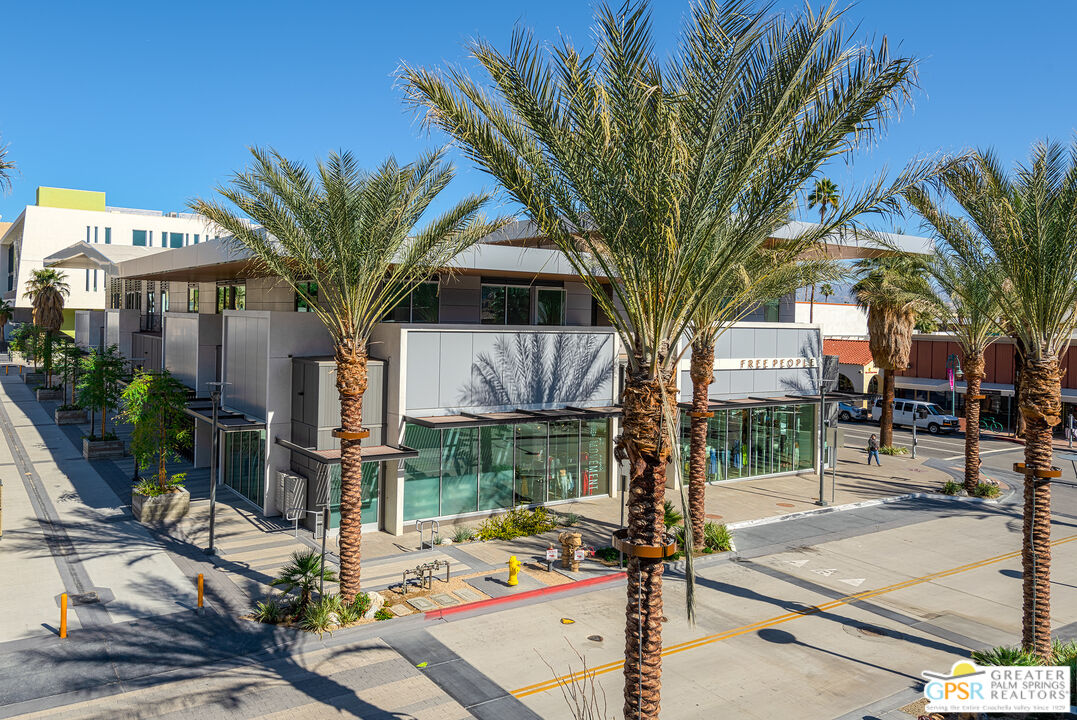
[530, 485]
[243, 463]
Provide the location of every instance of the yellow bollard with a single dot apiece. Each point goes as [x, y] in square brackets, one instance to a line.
[514, 569]
[63, 615]
[200, 584]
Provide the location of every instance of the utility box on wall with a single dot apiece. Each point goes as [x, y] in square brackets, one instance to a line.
[316, 403]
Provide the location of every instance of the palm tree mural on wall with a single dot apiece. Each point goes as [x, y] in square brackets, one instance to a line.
[538, 369]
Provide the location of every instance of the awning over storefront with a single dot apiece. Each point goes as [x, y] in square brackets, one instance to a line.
[87, 256]
[227, 420]
[936, 385]
[371, 453]
[763, 402]
[468, 420]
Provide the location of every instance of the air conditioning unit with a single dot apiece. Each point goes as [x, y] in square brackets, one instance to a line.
[291, 492]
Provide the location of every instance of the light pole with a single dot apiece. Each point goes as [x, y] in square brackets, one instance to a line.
[824, 380]
[953, 368]
[215, 397]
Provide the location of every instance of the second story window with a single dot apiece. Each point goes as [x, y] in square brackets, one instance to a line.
[192, 297]
[303, 299]
[138, 238]
[115, 293]
[506, 305]
[420, 306]
[550, 306]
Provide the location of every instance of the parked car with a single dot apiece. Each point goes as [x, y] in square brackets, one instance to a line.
[847, 412]
[927, 415]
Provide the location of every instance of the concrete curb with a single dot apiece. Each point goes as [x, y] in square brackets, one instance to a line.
[862, 504]
[548, 590]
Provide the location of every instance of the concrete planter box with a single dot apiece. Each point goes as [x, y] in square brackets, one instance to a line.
[102, 449]
[33, 378]
[160, 509]
[70, 417]
[49, 395]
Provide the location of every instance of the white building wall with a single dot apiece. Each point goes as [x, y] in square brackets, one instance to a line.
[45, 230]
[836, 319]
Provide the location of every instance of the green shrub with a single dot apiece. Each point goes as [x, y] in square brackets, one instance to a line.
[516, 523]
[673, 515]
[952, 487]
[716, 537]
[149, 486]
[608, 554]
[384, 614]
[986, 490]
[99, 438]
[69, 406]
[318, 617]
[567, 519]
[1004, 655]
[462, 533]
[893, 450]
[272, 611]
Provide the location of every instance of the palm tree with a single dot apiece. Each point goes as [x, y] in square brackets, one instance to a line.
[6, 169]
[47, 289]
[894, 290]
[825, 195]
[304, 572]
[353, 234]
[967, 304]
[663, 181]
[1025, 224]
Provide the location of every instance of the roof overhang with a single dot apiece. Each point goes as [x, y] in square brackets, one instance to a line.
[370, 453]
[751, 403]
[227, 420]
[87, 256]
[513, 417]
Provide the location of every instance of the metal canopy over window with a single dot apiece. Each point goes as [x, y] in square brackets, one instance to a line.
[764, 402]
[371, 453]
[513, 417]
[227, 421]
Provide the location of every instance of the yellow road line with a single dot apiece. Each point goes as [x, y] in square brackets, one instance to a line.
[777, 620]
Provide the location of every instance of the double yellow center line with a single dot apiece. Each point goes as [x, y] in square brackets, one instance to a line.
[777, 620]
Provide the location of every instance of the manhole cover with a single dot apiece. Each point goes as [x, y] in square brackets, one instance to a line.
[869, 632]
[594, 638]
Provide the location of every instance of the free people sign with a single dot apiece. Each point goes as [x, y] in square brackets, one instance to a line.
[765, 363]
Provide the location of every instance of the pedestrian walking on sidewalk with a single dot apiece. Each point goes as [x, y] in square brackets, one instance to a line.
[873, 450]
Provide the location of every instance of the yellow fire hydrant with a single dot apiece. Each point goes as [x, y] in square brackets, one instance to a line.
[514, 569]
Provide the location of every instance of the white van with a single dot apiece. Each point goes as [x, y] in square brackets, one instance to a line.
[927, 415]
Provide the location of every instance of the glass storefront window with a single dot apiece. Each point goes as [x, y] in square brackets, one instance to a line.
[550, 306]
[564, 465]
[594, 457]
[737, 434]
[530, 485]
[492, 311]
[804, 450]
[371, 489]
[243, 464]
[495, 467]
[422, 475]
[459, 471]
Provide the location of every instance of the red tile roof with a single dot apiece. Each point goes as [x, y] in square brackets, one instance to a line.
[849, 352]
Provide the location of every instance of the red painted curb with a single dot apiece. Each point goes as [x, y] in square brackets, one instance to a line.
[549, 590]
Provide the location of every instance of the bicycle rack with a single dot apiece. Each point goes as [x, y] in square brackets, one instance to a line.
[421, 526]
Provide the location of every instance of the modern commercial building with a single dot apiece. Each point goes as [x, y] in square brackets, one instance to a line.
[492, 386]
[61, 217]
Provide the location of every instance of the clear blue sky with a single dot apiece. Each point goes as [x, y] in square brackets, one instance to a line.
[155, 103]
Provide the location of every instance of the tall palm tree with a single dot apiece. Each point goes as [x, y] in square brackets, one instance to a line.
[355, 235]
[1025, 223]
[47, 289]
[662, 178]
[824, 195]
[894, 290]
[7, 168]
[967, 304]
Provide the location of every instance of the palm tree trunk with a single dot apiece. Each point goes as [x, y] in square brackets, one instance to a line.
[351, 361]
[1018, 381]
[702, 373]
[811, 305]
[1041, 404]
[886, 419]
[974, 372]
[645, 440]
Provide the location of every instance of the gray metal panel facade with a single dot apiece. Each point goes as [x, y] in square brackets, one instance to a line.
[245, 353]
[181, 339]
[316, 403]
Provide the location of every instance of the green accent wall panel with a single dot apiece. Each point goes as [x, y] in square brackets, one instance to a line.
[70, 199]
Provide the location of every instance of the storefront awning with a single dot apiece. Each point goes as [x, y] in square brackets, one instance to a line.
[513, 417]
[764, 402]
[937, 385]
[371, 453]
[227, 420]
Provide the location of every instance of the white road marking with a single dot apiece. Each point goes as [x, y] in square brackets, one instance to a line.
[826, 573]
[1015, 448]
[797, 563]
[855, 582]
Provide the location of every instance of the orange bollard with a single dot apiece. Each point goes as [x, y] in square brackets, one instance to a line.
[200, 584]
[63, 615]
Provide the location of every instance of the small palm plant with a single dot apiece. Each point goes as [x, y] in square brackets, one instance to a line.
[7, 168]
[6, 311]
[304, 573]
